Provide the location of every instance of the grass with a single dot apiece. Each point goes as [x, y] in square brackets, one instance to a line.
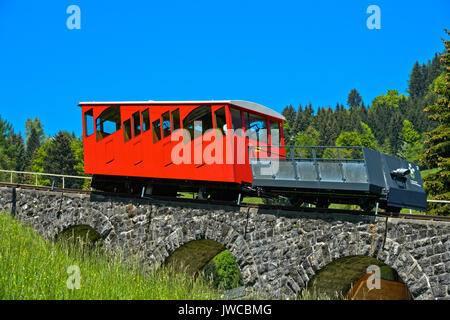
[34, 268]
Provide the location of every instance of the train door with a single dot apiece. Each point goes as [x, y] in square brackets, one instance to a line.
[107, 123]
[198, 124]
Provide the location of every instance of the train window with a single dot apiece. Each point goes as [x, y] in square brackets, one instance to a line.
[108, 122]
[156, 130]
[145, 120]
[127, 130]
[89, 122]
[221, 121]
[198, 121]
[236, 121]
[256, 124]
[136, 124]
[275, 132]
[176, 119]
[166, 124]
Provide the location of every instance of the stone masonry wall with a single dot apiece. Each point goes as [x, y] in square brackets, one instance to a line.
[277, 251]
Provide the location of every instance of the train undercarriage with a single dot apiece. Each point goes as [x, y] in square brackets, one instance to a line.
[235, 193]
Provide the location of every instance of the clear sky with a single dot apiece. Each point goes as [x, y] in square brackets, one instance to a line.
[271, 52]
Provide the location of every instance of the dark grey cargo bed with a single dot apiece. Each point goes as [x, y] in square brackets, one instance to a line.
[393, 182]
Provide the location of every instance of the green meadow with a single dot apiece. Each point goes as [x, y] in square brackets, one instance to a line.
[34, 268]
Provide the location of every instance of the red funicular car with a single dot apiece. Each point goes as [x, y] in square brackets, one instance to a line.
[131, 145]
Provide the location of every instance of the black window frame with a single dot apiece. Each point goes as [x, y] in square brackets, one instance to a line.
[233, 122]
[158, 136]
[263, 119]
[224, 133]
[203, 111]
[166, 130]
[176, 123]
[111, 114]
[137, 130]
[146, 124]
[271, 121]
[127, 128]
[86, 121]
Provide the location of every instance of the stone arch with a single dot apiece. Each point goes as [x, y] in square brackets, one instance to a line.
[213, 236]
[80, 232]
[81, 221]
[336, 279]
[354, 243]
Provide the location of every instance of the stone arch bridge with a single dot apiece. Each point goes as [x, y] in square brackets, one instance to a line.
[277, 251]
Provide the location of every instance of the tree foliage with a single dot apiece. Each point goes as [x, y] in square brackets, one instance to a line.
[437, 153]
[223, 271]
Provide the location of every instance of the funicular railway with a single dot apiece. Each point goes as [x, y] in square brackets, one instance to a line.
[226, 149]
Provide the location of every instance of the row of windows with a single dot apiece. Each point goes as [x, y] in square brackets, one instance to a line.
[197, 122]
[134, 124]
[167, 118]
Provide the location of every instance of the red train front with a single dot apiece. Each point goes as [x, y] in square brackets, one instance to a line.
[136, 144]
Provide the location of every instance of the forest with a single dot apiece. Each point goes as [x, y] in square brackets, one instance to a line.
[414, 126]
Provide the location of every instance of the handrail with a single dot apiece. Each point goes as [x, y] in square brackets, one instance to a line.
[439, 201]
[36, 174]
[46, 174]
[294, 154]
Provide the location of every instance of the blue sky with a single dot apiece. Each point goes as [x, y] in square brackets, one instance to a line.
[270, 52]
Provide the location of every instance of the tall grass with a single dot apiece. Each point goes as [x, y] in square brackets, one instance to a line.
[34, 268]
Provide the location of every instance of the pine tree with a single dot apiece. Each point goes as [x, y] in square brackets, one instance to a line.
[290, 114]
[61, 158]
[437, 153]
[354, 99]
[38, 126]
[416, 82]
[298, 122]
[33, 145]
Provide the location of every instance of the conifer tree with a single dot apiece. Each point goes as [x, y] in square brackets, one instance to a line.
[416, 81]
[32, 146]
[354, 99]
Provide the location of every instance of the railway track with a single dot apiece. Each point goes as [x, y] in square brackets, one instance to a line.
[232, 204]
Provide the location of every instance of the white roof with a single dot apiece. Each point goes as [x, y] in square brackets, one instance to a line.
[240, 103]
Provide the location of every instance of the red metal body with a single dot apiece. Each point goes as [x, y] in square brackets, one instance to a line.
[136, 139]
